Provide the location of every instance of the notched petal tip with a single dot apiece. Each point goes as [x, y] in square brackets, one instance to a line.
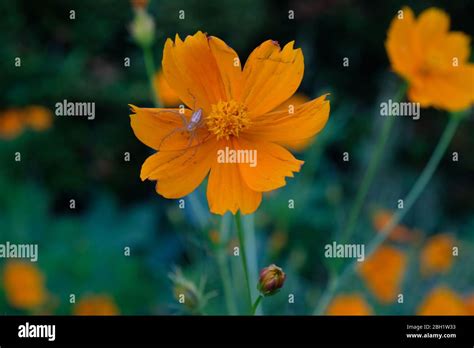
[134, 109]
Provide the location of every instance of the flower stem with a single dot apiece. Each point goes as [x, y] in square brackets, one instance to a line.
[371, 170]
[150, 71]
[410, 199]
[223, 266]
[256, 303]
[238, 224]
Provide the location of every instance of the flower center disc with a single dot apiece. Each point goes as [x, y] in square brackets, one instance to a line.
[227, 118]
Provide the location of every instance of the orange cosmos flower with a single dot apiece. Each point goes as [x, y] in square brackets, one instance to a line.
[433, 60]
[349, 304]
[443, 301]
[96, 305]
[38, 117]
[437, 254]
[11, 124]
[400, 233]
[383, 272]
[233, 120]
[469, 302]
[24, 285]
[165, 94]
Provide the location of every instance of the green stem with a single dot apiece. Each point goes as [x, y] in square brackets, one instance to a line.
[223, 266]
[410, 199]
[150, 71]
[256, 303]
[371, 170]
[238, 224]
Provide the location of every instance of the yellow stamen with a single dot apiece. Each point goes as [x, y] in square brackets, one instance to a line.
[227, 118]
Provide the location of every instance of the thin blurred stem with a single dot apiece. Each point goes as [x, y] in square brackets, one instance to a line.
[150, 71]
[243, 254]
[223, 266]
[410, 199]
[256, 303]
[371, 170]
[248, 223]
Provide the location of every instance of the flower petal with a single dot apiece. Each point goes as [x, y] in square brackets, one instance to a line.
[457, 45]
[272, 165]
[159, 128]
[307, 120]
[178, 173]
[192, 71]
[229, 66]
[432, 25]
[226, 189]
[271, 76]
[400, 44]
[451, 90]
[383, 272]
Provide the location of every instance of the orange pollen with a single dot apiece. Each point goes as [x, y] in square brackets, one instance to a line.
[227, 118]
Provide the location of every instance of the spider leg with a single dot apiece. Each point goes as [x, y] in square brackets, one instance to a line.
[183, 118]
[174, 131]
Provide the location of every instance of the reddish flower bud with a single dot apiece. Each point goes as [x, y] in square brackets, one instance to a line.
[271, 280]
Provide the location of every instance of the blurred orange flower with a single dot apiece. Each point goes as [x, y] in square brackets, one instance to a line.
[11, 124]
[383, 272]
[166, 95]
[400, 233]
[442, 301]
[432, 59]
[24, 285]
[38, 117]
[349, 304]
[469, 302]
[232, 115]
[437, 254]
[139, 4]
[96, 305]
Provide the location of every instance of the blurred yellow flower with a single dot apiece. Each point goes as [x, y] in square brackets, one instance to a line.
[232, 112]
[432, 59]
[38, 117]
[24, 285]
[383, 272]
[166, 94]
[442, 301]
[349, 304]
[96, 305]
[437, 254]
[400, 233]
[11, 124]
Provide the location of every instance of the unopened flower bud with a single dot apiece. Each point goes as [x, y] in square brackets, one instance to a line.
[137, 4]
[143, 28]
[271, 280]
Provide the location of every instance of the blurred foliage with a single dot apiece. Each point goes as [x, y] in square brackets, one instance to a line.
[82, 249]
